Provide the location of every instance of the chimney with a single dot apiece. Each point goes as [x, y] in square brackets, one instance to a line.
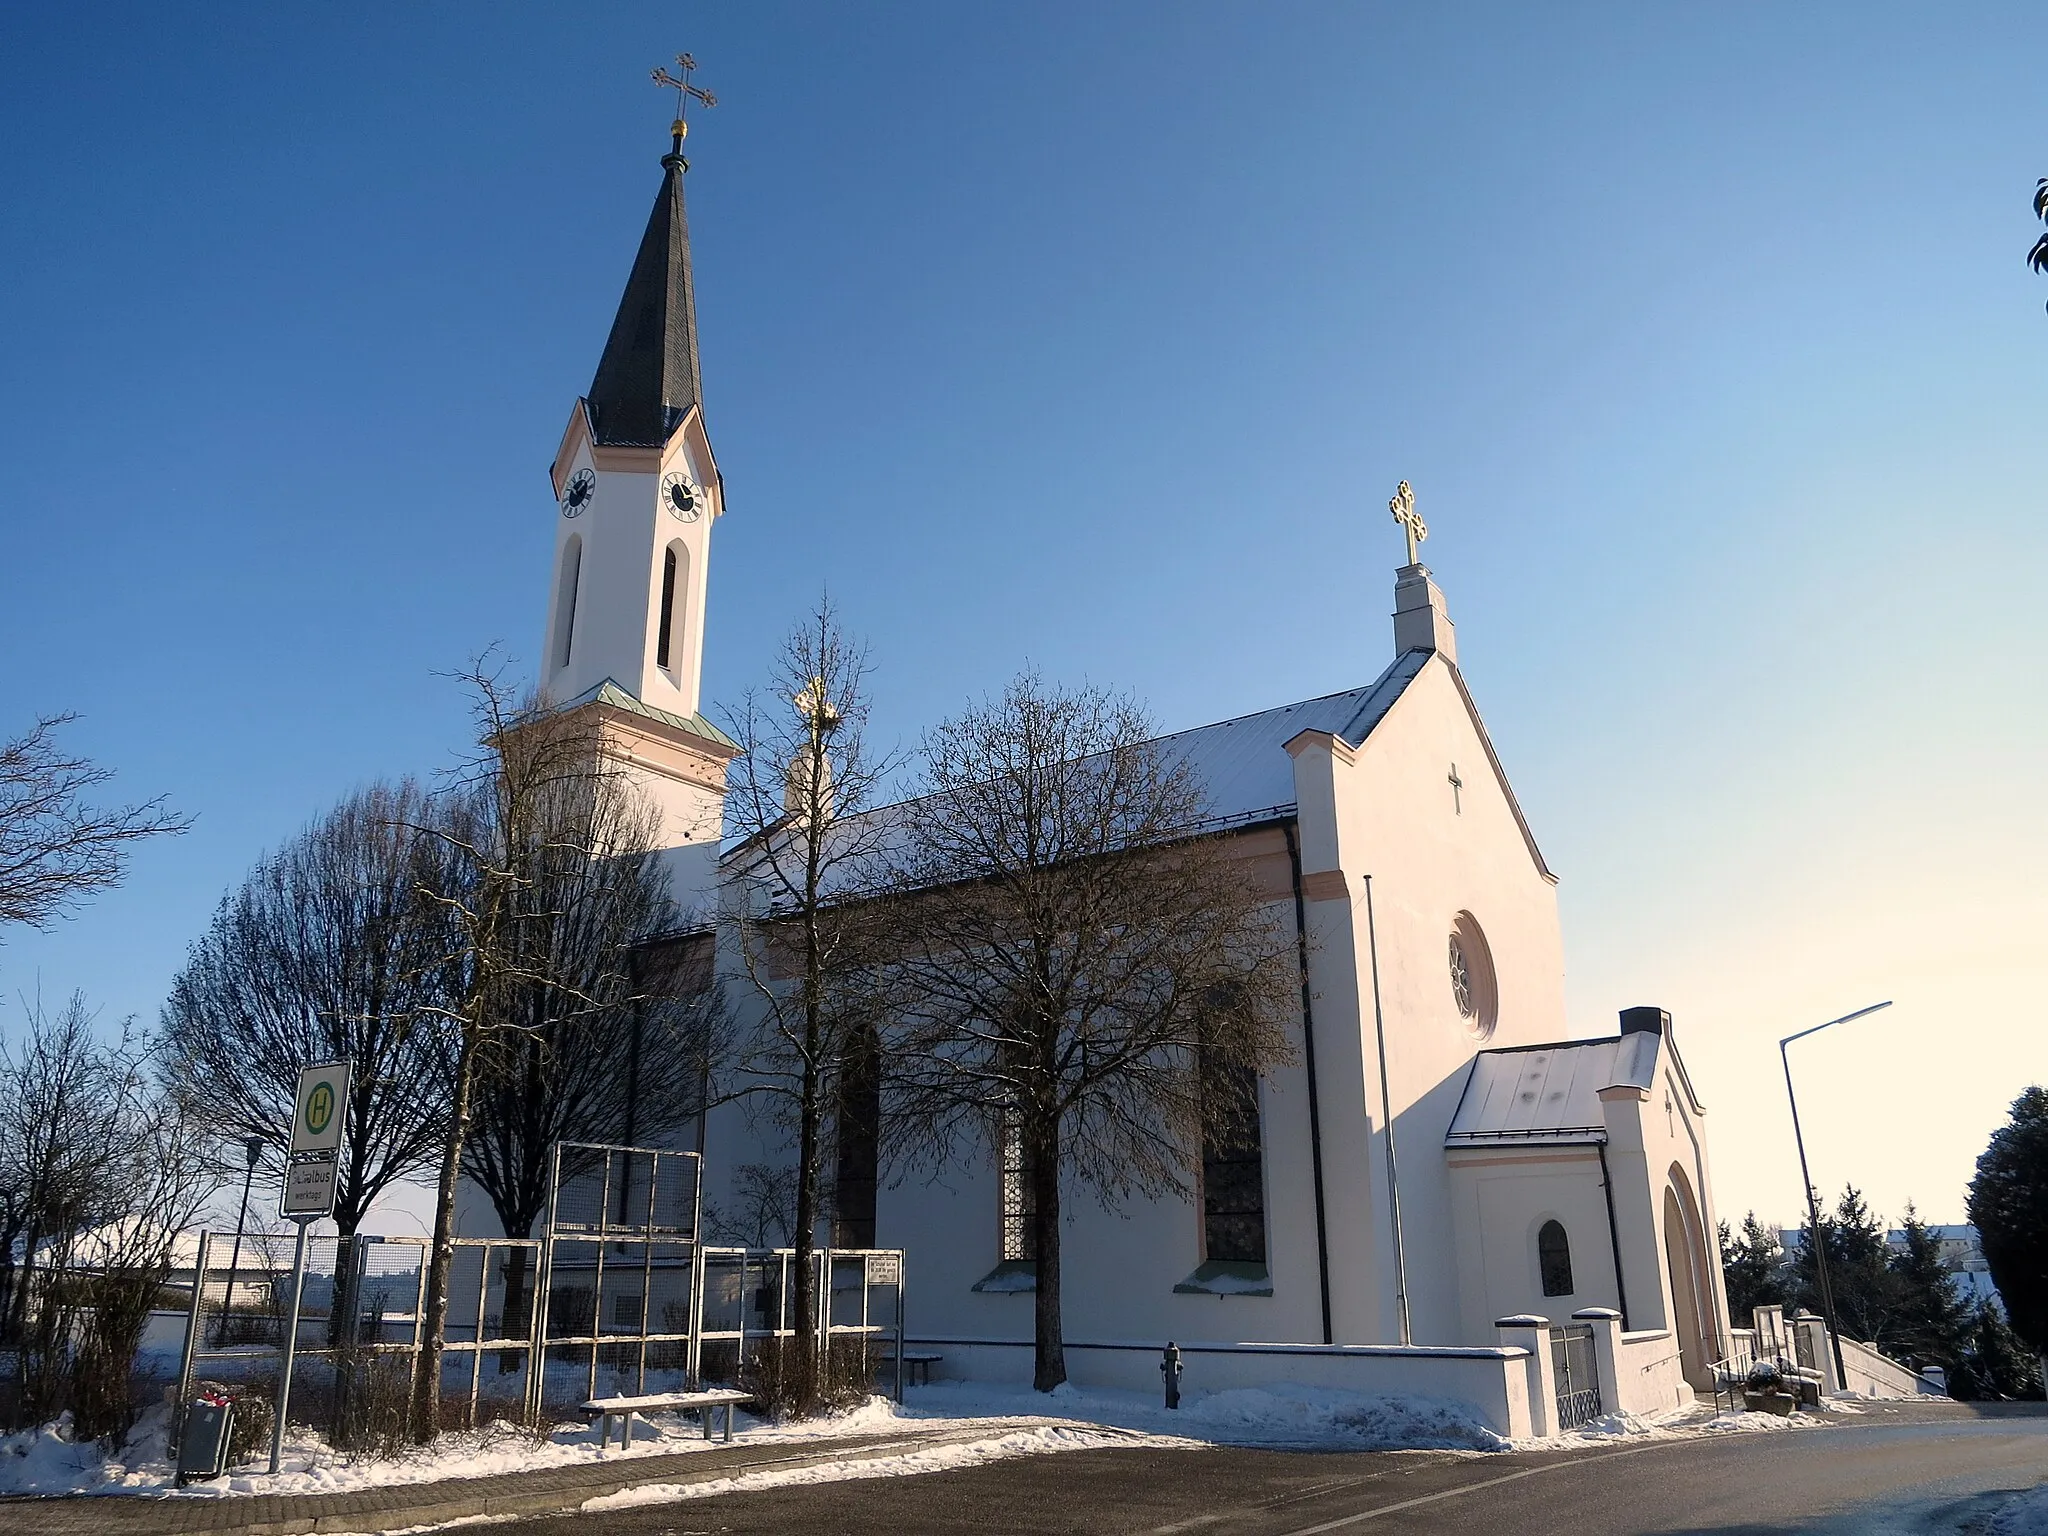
[1421, 622]
[1645, 1021]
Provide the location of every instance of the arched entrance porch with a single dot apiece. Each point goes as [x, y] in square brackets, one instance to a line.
[1692, 1288]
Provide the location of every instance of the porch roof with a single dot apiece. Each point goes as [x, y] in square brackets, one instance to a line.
[1549, 1093]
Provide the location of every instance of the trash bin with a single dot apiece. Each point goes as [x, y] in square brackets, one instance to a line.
[203, 1448]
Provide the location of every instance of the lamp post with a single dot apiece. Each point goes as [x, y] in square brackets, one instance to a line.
[252, 1147]
[1820, 1247]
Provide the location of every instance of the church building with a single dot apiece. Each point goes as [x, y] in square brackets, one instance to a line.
[1443, 1152]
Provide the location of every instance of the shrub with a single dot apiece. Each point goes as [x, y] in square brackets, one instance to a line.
[789, 1383]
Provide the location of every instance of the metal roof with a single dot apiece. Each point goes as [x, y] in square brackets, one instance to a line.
[1549, 1093]
[1243, 763]
[648, 377]
[610, 692]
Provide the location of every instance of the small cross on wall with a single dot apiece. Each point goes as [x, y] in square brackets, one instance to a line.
[1457, 790]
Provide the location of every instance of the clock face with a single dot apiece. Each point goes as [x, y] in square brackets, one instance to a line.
[576, 496]
[682, 495]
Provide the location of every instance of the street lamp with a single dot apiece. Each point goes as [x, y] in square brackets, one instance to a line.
[1820, 1247]
[252, 1146]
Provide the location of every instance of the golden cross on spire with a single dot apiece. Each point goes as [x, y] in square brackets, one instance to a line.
[1403, 507]
[684, 91]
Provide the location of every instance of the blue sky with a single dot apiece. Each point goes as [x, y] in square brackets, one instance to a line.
[1096, 337]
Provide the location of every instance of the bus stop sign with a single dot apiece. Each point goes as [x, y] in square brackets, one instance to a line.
[315, 1162]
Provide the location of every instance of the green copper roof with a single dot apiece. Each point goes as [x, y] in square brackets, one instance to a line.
[609, 692]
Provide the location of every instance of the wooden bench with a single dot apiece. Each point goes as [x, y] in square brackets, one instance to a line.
[917, 1366]
[707, 1403]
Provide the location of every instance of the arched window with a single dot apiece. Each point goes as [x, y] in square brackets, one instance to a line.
[1554, 1259]
[565, 598]
[674, 571]
[668, 606]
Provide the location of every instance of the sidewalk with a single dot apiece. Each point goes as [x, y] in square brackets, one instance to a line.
[547, 1491]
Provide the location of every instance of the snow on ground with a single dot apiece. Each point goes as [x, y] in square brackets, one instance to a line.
[2026, 1515]
[45, 1461]
[1701, 1419]
[992, 1421]
[1018, 1422]
[1279, 1415]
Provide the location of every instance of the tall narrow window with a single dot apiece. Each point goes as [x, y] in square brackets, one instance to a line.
[1233, 1167]
[565, 598]
[857, 1135]
[668, 606]
[1020, 1202]
[1554, 1259]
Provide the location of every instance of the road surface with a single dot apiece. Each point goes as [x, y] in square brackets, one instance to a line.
[1896, 1469]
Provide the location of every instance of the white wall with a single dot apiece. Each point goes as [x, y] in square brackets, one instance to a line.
[1499, 1200]
[1388, 811]
[1491, 1381]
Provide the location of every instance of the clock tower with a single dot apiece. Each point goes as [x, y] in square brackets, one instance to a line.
[636, 492]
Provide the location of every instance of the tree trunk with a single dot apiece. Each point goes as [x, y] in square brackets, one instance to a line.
[426, 1381]
[1049, 1352]
[804, 1303]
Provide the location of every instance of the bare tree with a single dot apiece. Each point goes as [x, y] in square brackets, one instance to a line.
[100, 1170]
[612, 1046]
[55, 849]
[321, 955]
[804, 941]
[1088, 969]
[544, 795]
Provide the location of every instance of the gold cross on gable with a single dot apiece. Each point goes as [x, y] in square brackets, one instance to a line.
[684, 91]
[1403, 507]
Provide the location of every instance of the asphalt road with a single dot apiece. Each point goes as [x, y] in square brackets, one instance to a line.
[1897, 1469]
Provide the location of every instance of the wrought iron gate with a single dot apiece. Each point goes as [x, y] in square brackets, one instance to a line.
[1578, 1379]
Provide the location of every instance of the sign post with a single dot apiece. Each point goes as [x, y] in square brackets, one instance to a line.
[310, 1175]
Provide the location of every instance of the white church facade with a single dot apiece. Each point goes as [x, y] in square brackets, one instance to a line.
[1438, 1166]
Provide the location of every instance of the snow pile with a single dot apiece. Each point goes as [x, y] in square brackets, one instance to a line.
[1277, 1415]
[2026, 1515]
[1038, 1441]
[47, 1461]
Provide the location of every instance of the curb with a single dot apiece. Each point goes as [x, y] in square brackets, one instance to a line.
[375, 1511]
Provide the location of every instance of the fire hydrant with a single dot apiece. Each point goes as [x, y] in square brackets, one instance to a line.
[1169, 1367]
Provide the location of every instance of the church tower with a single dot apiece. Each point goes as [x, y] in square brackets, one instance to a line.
[637, 492]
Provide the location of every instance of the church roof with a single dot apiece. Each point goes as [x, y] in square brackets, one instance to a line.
[1549, 1093]
[609, 692]
[648, 377]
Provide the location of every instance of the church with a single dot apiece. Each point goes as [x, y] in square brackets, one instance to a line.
[1443, 1169]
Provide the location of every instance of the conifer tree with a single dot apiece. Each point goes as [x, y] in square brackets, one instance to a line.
[1754, 1265]
[2009, 1205]
[1931, 1324]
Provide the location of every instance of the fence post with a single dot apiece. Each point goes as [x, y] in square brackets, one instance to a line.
[1606, 1325]
[1528, 1331]
[1816, 1329]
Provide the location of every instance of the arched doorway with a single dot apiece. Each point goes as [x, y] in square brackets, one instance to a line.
[1685, 1261]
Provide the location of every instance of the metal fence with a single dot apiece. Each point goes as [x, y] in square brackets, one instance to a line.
[1578, 1378]
[747, 1295]
[617, 1297]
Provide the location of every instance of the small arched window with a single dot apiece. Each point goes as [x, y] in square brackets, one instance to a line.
[1554, 1259]
[565, 598]
[674, 593]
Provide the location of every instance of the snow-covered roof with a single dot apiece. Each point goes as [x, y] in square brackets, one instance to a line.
[1245, 770]
[1243, 763]
[1549, 1093]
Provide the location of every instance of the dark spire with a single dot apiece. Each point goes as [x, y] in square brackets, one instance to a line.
[649, 378]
